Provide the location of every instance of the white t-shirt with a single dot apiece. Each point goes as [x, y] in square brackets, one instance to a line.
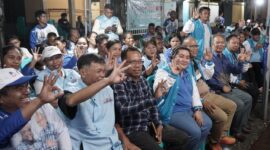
[45, 130]
[207, 36]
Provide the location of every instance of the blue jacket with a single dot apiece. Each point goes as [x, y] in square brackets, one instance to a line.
[198, 34]
[223, 68]
[167, 103]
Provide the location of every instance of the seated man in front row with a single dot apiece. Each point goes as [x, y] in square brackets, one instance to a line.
[88, 108]
[136, 109]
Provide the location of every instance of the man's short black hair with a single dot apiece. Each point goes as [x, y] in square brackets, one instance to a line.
[255, 31]
[129, 49]
[64, 15]
[201, 9]
[230, 37]
[108, 6]
[101, 37]
[151, 25]
[51, 34]
[88, 59]
[39, 13]
[12, 37]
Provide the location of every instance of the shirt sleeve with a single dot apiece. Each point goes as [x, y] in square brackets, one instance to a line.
[27, 71]
[69, 62]
[119, 27]
[188, 27]
[196, 100]
[38, 86]
[10, 125]
[96, 27]
[33, 39]
[125, 106]
[68, 111]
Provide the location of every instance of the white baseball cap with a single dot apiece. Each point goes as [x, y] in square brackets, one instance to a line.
[50, 51]
[12, 77]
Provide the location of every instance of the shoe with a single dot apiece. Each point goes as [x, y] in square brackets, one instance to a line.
[215, 146]
[240, 137]
[227, 140]
[247, 130]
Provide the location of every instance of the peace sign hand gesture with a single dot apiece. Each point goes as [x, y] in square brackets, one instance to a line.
[195, 14]
[161, 89]
[47, 94]
[242, 55]
[208, 54]
[36, 55]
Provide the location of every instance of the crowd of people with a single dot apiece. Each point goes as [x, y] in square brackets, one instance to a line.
[178, 89]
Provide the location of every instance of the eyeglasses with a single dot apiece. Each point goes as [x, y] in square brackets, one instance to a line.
[193, 46]
[135, 62]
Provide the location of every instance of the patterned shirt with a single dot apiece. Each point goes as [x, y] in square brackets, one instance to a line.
[135, 105]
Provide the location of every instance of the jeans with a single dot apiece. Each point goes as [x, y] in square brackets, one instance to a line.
[185, 121]
[173, 139]
[244, 103]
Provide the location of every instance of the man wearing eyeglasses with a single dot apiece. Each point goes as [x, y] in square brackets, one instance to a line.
[218, 108]
[136, 109]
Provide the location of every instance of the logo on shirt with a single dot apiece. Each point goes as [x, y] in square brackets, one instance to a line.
[107, 100]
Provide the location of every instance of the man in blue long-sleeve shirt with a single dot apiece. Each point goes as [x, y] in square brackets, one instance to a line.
[15, 112]
[220, 83]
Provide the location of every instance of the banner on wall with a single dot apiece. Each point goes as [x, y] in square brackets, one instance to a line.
[141, 13]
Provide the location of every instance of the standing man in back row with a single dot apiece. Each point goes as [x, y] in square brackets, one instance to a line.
[199, 29]
[39, 33]
[108, 24]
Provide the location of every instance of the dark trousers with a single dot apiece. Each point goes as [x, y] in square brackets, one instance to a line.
[173, 139]
[252, 89]
[254, 74]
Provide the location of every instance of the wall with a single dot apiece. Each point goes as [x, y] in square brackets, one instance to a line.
[238, 8]
[30, 10]
[55, 7]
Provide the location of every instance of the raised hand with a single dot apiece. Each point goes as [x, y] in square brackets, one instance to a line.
[248, 55]
[208, 55]
[195, 14]
[78, 52]
[161, 90]
[155, 61]
[118, 74]
[242, 55]
[241, 23]
[49, 92]
[110, 62]
[36, 55]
